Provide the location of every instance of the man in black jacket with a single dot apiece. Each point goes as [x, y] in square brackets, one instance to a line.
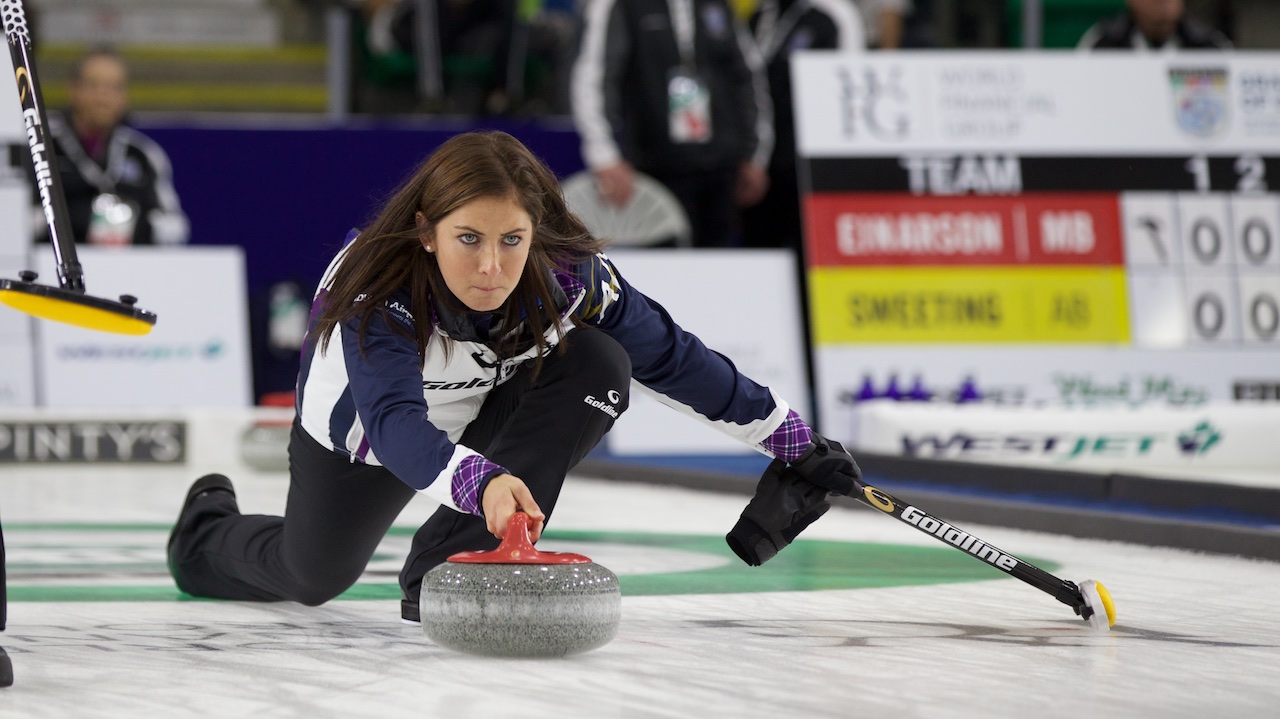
[118, 182]
[676, 90]
[1153, 25]
[781, 27]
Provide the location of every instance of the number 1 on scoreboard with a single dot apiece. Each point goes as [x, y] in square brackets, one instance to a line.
[1153, 269]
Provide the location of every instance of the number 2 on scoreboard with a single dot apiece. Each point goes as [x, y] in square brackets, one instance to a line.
[1250, 170]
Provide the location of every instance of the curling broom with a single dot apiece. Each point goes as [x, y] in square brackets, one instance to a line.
[67, 302]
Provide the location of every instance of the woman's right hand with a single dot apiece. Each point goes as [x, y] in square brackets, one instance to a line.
[615, 183]
[504, 496]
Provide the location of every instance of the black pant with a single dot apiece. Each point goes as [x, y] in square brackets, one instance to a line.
[708, 199]
[776, 221]
[337, 512]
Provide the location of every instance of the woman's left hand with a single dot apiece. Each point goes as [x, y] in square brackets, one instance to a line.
[505, 495]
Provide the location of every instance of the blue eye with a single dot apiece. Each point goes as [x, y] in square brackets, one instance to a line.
[468, 239]
[512, 240]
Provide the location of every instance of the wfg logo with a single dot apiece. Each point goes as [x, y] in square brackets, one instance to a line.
[873, 99]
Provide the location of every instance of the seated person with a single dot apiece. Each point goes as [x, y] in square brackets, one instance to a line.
[1152, 25]
[118, 182]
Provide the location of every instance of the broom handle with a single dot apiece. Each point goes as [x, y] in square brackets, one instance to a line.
[48, 182]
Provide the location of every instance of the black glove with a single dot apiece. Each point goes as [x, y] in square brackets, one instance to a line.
[827, 464]
[783, 506]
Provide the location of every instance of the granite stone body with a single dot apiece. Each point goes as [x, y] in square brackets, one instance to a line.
[520, 610]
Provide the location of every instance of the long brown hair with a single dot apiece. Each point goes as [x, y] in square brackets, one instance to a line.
[388, 254]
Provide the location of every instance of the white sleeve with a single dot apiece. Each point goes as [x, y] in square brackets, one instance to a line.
[588, 90]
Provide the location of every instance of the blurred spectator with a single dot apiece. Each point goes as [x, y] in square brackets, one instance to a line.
[118, 182]
[553, 32]
[883, 22]
[781, 27]
[1153, 24]
[470, 29]
[675, 90]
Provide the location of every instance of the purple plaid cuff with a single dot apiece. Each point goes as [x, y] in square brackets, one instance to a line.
[790, 439]
[467, 478]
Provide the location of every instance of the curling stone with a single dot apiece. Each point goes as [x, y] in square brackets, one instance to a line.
[516, 601]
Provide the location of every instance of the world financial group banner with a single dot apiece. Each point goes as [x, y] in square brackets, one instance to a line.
[1018, 226]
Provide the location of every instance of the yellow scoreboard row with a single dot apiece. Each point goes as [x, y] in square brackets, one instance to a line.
[897, 304]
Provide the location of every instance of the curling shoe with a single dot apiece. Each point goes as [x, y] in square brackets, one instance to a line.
[409, 613]
[203, 487]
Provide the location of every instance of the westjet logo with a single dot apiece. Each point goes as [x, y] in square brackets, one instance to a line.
[1060, 446]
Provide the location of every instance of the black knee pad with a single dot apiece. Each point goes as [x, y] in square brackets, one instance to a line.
[591, 350]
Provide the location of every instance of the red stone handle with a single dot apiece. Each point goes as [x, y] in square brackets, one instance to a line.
[517, 549]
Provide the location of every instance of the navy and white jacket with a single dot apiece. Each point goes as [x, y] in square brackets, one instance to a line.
[396, 408]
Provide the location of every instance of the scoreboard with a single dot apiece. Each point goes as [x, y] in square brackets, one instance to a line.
[1027, 221]
[1152, 266]
[1203, 268]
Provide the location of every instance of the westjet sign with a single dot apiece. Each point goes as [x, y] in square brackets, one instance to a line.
[1060, 446]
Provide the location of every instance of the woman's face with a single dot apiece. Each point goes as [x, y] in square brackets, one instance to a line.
[482, 248]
